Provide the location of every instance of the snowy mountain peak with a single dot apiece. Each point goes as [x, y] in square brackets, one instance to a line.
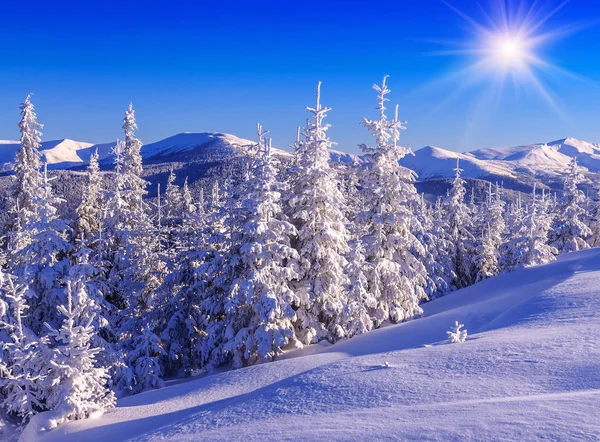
[57, 153]
[198, 144]
[186, 142]
[438, 152]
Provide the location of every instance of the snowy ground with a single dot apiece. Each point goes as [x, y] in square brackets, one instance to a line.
[530, 370]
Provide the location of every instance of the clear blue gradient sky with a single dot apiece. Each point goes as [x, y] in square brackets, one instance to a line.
[225, 65]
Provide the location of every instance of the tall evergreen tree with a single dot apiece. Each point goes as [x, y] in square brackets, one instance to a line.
[317, 210]
[436, 246]
[490, 218]
[529, 247]
[459, 228]
[397, 277]
[23, 356]
[76, 386]
[259, 307]
[90, 208]
[27, 167]
[173, 199]
[132, 169]
[44, 261]
[569, 232]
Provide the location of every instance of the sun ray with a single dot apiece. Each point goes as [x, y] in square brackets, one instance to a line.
[507, 47]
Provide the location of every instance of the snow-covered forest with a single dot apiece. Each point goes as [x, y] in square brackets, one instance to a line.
[273, 256]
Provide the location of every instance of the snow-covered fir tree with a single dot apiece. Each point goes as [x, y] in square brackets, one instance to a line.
[90, 208]
[536, 227]
[459, 225]
[355, 318]
[132, 165]
[317, 210]
[87, 276]
[23, 363]
[594, 217]
[437, 246]
[114, 220]
[173, 199]
[76, 386]
[569, 232]
[144, 358]
[397, 278]
[43, 262]
[529, 246]
[260, 305]
[27, 169]
[187, 202]
[490, 218]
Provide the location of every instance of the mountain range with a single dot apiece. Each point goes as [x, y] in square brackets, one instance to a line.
[517, 167]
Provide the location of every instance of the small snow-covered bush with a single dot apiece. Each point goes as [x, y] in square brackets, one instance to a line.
[456, 335]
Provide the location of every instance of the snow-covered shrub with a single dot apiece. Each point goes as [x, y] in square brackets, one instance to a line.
[456, 334]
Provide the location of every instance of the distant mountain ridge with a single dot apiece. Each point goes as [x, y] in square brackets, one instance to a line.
[544, 162]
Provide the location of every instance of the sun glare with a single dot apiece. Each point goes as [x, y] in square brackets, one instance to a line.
[509, 44]
[510, 50]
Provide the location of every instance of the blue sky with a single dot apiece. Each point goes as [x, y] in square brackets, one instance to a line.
[225, 65]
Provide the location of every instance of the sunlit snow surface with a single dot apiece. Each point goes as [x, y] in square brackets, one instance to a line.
[529, 370]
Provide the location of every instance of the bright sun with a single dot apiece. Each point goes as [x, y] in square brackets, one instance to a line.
[510, 50]
[508, 45]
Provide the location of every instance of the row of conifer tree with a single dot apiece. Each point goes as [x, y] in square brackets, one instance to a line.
[279, 254]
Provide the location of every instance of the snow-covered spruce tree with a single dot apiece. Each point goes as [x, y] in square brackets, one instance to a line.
[144, 358]
[174, 212]
[215, 195]
[27, 171]
[569, 232]
[76, 386]
[436, 257]
[88, 277]
[259, 308]
[317, 210]
[187, 202]
[459, 225]
[135, 267]
[132, 165]
[536, 227]
[594, 217]
[140, 268]
[397, 277]
[44, 261]
[173, 200]
[215, 267]
[355, 318]
[114, 220]
[191, 299]
[145, 269]
[90, 208]
[23, 364]
[490, 218]
[180, 296]
[529, 246]
[515, 214]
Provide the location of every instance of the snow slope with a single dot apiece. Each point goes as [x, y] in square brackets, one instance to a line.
[530, 370]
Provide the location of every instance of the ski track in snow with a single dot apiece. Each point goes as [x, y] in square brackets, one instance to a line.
[529, 370]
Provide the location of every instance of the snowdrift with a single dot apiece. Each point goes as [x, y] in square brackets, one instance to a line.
[529, 370]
